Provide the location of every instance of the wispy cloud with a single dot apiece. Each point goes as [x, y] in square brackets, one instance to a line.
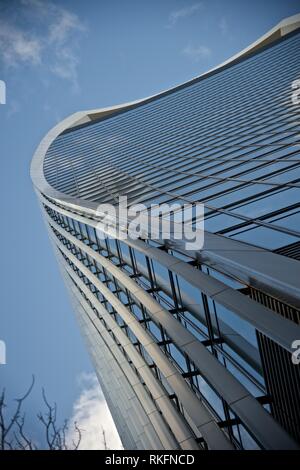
[41, 34]
[223, 25]
[18, 46]
[177, 15]
[13, 108]
[197, 53]
[91, 414]
[66, 65]
[66, 23]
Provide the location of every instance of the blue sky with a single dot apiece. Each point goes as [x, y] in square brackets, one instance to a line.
[57, 58]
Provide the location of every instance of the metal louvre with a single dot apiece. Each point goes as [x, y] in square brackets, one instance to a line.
[281, 375]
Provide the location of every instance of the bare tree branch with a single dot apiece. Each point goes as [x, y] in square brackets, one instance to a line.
[5, 428]
[55, 435]
[104, 440]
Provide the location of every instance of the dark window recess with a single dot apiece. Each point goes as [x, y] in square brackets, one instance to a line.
[291, 251]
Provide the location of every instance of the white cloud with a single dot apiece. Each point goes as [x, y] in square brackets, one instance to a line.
[197, 53]
[92, 415]
[18, 46]
[61, 22]
[67, 22]
[177, 15]
[44, 34]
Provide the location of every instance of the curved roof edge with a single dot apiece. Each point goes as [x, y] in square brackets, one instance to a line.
[283, 28]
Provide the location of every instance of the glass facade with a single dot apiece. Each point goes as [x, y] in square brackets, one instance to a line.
[200, 343]
[228, 140]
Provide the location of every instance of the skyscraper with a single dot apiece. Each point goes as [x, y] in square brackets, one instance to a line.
[192, 347]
